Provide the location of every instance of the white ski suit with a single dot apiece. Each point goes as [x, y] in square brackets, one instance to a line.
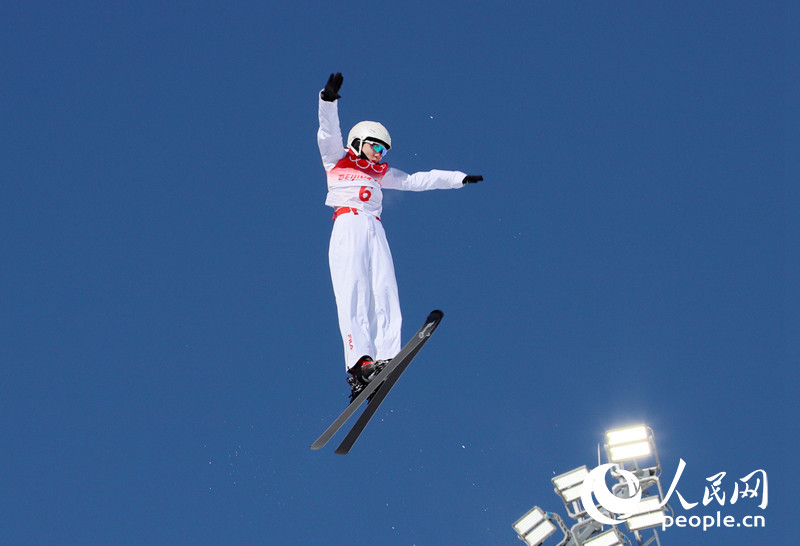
[361, 264]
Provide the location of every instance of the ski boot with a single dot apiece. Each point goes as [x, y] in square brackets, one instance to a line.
[362, 373]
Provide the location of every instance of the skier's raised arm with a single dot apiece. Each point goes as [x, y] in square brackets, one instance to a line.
[329, 135]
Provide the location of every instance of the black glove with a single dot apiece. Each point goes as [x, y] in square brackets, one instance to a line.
[471, 179]
[331, 91]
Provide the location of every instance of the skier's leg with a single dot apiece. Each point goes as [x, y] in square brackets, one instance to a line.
[386, 300]
[348, 256]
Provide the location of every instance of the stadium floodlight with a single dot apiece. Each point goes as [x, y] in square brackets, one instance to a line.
[648, 513]
[568, 485]
[646, 521]
[534, 527]
[628, 443]
[609, 538]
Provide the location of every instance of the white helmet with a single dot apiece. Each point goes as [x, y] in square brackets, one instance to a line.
[367, 130]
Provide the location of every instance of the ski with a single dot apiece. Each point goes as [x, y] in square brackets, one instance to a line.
[379, 386]
[380, 393]
[391, 378]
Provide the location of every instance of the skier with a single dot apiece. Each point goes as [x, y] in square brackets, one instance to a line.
[361, 265]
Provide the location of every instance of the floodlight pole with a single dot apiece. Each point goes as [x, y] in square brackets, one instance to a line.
[646, 477]
[648, 541]
[582, 531]
[561, 525]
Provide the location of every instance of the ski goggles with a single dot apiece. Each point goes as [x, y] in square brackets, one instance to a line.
[378, 147]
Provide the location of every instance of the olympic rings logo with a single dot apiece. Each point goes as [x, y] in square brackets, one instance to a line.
[365, 164]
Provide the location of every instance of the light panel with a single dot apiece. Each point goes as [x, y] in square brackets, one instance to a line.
[568, 485]
[648, 513]
[609, 538]
[629, 451]
[572, 494]
[645, 521]
[534, 527]
[540, 533]
[626, 435]
[529, 521]
[628, 443]
[573, 477]
[647, 504]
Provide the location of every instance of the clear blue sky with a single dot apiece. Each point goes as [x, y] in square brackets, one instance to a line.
[168, 331]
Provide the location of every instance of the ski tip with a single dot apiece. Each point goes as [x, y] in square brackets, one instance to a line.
[436, 315]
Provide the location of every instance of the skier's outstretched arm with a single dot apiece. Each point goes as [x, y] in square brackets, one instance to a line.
[396, 179]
